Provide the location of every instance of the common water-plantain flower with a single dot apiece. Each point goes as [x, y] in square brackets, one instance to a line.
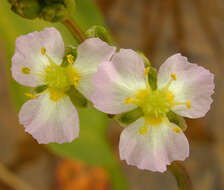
[152, 142]
[50, 116]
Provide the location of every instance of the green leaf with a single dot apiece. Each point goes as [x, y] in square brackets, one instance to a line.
[92, 146]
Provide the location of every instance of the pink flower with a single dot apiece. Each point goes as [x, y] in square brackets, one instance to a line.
[50, 116]
[153, 142]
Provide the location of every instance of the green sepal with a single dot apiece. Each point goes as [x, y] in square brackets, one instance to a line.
[127, 118]
[178, 120]
[152, 71]
[152, 77]
[146, 60]
[69, 50]
[77, 98]
[29, 9]
[40, 89]
[99, 32]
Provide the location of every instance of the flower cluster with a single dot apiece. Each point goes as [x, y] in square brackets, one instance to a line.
[116, 82]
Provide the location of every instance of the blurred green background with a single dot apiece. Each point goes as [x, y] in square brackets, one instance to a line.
[158, 28]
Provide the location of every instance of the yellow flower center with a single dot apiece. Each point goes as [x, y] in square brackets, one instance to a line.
[155, 104]
[57, 78]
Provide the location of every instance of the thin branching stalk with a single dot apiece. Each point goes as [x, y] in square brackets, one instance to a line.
[12, 180]
[181, 175]
[75, 30]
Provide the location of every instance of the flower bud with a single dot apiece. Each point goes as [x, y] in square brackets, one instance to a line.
[54, 13]
[99, 32]
[49, 10]
[57, 10]
[29, 9]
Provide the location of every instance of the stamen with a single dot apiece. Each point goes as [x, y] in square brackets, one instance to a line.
[30, 95]
[143, 130]
[70, 59]
[48, 68]
[43, 50]
[56, 95]
[76, 77]
[147, 69]
[177, 130]
[170, 96]
[76, 83]
[174, 76]
[128, 100]
[25, 70]
[188, 103]
[141, 94]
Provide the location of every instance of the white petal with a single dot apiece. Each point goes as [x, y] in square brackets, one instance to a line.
[194, 84]
[155, 150]
[49, 121]
[117, 80]
[91, 53]
[28, 54]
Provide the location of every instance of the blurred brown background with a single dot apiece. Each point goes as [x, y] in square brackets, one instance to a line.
[159, 28]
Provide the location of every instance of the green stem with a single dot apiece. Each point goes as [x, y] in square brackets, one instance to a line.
[181, 175]
[74, 29]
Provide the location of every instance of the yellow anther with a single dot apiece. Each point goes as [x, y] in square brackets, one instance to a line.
[76, 77]
[56, 95]
[48, 68]
[25, 70]
[43, 50]
[177, 130]
[76, 83]
[146, 71]
[30, 95]
[154, 121]
[70, 58]
[143, 130]
[76, 80]
[174, 76]
[188, 103]
[170, 96]
[128, 100]
[141, 94]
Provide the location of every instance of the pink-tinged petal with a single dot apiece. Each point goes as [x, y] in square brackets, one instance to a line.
[114, 81]
[194, 84]
[154, 150]
[28, 55]
[91, 53]
[49, 121]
